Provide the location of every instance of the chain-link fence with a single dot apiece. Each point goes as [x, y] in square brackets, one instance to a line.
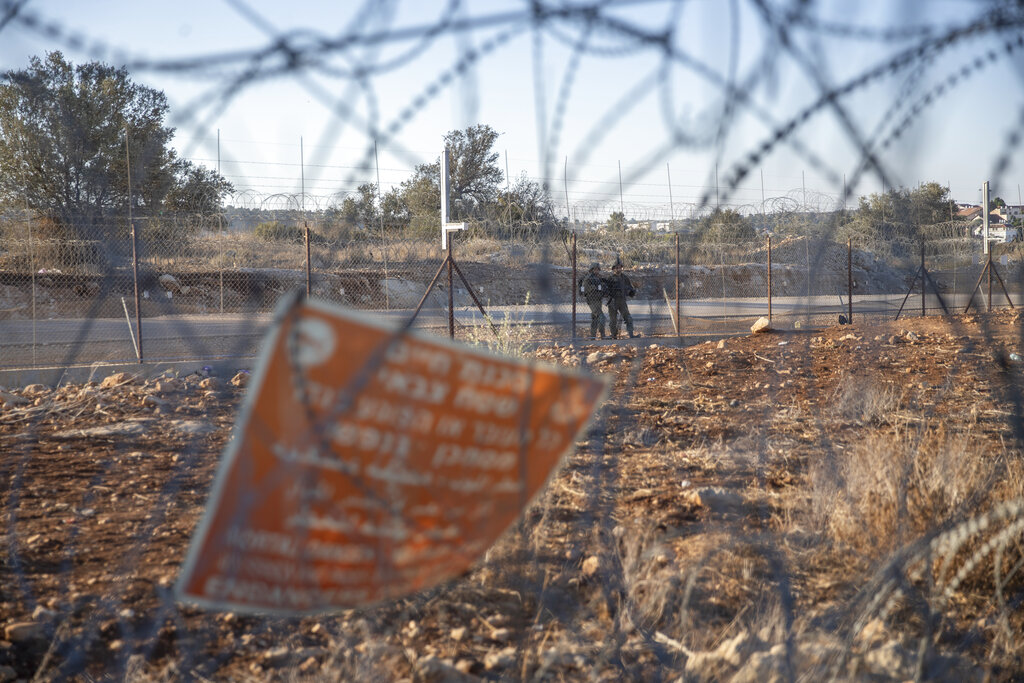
[78, 295]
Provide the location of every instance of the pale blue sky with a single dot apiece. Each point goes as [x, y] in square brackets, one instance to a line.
[627, 101]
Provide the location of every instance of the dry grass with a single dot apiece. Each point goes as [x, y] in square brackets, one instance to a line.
[894, 485]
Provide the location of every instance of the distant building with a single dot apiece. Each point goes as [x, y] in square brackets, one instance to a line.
[997, 232]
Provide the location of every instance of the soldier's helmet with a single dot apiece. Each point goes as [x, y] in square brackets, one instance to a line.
[618, 263]
[595, 266]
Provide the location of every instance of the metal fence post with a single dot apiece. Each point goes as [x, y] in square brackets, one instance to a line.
[135, 278]
[849, 280]
[989, 268]
[769, 279]
[679, 321]
[573, 283]
[924, 289]
[451, 291]
[309, 277]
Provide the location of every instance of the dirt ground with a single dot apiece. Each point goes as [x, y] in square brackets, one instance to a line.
[768, 507]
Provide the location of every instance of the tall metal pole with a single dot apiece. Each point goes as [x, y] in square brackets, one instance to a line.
[135, 253]
[574, 287]
[679, 321]
[718, 204]
[305, 223]
[622, 208]
[220, 230]
[383, 239]
[565, 185]
[762, 193]
[849, 280]
[984, 217]
[671, 203]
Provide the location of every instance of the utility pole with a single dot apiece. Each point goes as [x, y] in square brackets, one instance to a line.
[565, 185]
[671, 204]
[622, 208]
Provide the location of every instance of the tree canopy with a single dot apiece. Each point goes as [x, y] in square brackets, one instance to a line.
[725, 226]
[64, 132]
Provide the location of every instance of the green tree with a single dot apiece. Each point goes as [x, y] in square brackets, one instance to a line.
[198, 190]
[616, 222]
[474, 180]
[725, 226]
[524, 204]
[62, 145]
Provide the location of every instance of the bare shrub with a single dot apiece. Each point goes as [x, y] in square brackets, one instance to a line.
[871, 404]
[890, 487]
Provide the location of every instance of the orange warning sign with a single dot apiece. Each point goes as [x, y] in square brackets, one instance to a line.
[368, 464]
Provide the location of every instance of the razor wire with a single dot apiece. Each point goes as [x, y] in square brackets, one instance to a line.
[647, 613]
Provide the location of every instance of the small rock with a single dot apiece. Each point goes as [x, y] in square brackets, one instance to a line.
[117, 379]
[241, 379]
[457, 634]
[276, 656]
[721, 344]
[598, 356]
[308, 665]
[912, 336]
[502, 635]
[464, 665]
[167, 386]
[762, 325]
[156, 403]
[591, 565]
[715, 499]
[35, 389]
[435, 670]
[210, 384]
[502, 659]
[7, 674]
[41, 613]
[734, 403]
[24, 632]
[116, 645]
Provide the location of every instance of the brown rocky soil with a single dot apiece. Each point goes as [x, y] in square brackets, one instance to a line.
[746, 510]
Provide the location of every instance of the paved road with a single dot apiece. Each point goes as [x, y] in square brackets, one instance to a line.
[76, 341]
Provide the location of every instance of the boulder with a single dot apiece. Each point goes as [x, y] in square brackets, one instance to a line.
[171, 284]
[762, 325]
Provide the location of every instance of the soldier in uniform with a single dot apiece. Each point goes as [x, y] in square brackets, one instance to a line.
[619, 287]
[594, 289]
